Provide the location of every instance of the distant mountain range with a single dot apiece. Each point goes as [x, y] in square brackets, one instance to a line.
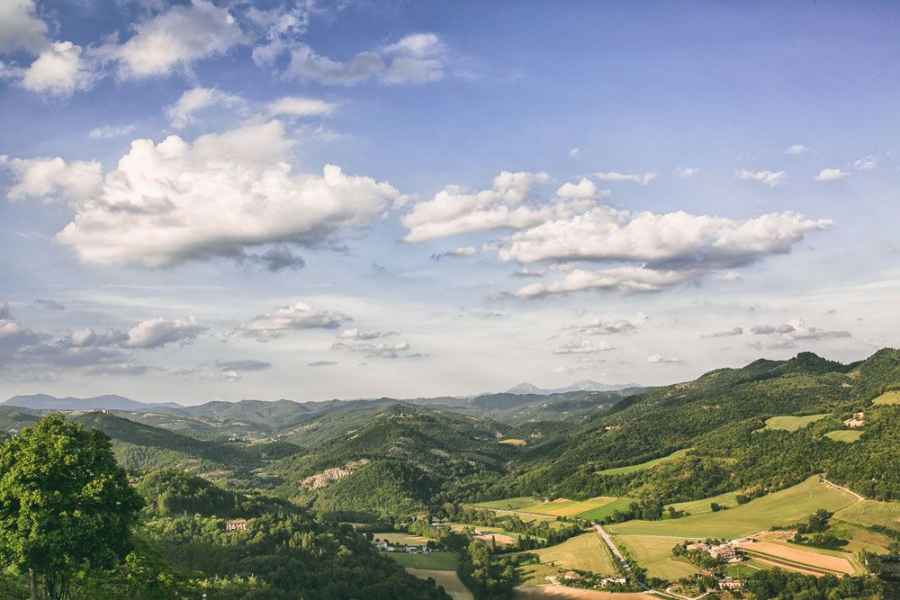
[579, 386]
[221, 408]
[105, 402]
[262, 418]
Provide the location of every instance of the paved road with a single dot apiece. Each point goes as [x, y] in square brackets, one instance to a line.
[611, 545]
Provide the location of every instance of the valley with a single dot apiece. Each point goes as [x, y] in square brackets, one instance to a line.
[510, 486]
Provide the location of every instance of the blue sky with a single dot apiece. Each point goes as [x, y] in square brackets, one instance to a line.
[223, 200]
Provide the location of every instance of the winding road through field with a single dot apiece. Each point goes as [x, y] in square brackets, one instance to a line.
[842, 488]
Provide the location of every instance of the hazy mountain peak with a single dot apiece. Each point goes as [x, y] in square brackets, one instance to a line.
[585, 385]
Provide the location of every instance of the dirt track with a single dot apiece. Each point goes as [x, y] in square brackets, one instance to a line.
[834, 564]
[500, 538]
[561, 592]
[448, 579]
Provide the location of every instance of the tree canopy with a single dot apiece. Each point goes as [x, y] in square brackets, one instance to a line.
[65, 505]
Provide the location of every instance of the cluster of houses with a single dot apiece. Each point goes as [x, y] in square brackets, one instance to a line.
[608, 581]
[730, 584]
[570, 576]
[727, 552]
[386, 546]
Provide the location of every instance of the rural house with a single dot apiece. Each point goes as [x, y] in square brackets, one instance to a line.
[858, 420]
[236, 525]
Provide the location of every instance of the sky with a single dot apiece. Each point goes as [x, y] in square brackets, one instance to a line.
[218, 200]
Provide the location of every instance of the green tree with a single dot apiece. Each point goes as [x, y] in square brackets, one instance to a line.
[65, 505]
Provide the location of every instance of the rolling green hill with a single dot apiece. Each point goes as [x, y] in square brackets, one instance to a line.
[676, 443]
[721, 416]
[141, 448]
[419, 453]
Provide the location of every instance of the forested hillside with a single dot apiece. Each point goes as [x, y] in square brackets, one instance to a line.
[721, 419]
[399, 460]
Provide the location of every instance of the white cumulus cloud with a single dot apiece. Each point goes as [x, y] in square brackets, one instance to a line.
[686, 172]
[659, 359]
[769, 178]
[866, 163]
[615, 176]
[297, 106]
[585, 189]
[623, 279]
[107, 132]
[221, 195]
[181, 113]
[20, 27]
[455, 211]
[831, 175]
[59, 70]
[796, 150]
[155, 333]
[52, 178]
[415, 58]
[671, 240]
[583, 346]
[294, 317]
[176, 38]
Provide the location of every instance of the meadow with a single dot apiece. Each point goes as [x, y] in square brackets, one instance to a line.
[585, 552]
[447, 579]
[888, 398]
[533, 509]
[604, 511]
[792, 423]
[562, 507]
[645, 465]
[402, 538]
[699, 507]
[654, 553]
[440, 561]
[784, 507]
[847, 436]
[507, 503]
[872, 512]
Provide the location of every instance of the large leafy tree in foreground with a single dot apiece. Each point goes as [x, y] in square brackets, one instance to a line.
[65, 505]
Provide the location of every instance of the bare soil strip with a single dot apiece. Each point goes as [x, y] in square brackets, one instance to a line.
[800, 558]
[561, 592]
[448, 579]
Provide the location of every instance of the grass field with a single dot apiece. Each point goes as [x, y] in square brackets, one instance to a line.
[891, 397]
[699, 507]
[872, 512]
[402, 538]
[741, 570]
[482, 528]
[442, 561]
[601, 512]
[537, 573]
[585, 552]
[449, 580]
[568, 508]
[801, 558]
[784, 507]
[645, 465]
[508, 503]
[654, 553]
[844, 435]
[792, 423]
[860, 538]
